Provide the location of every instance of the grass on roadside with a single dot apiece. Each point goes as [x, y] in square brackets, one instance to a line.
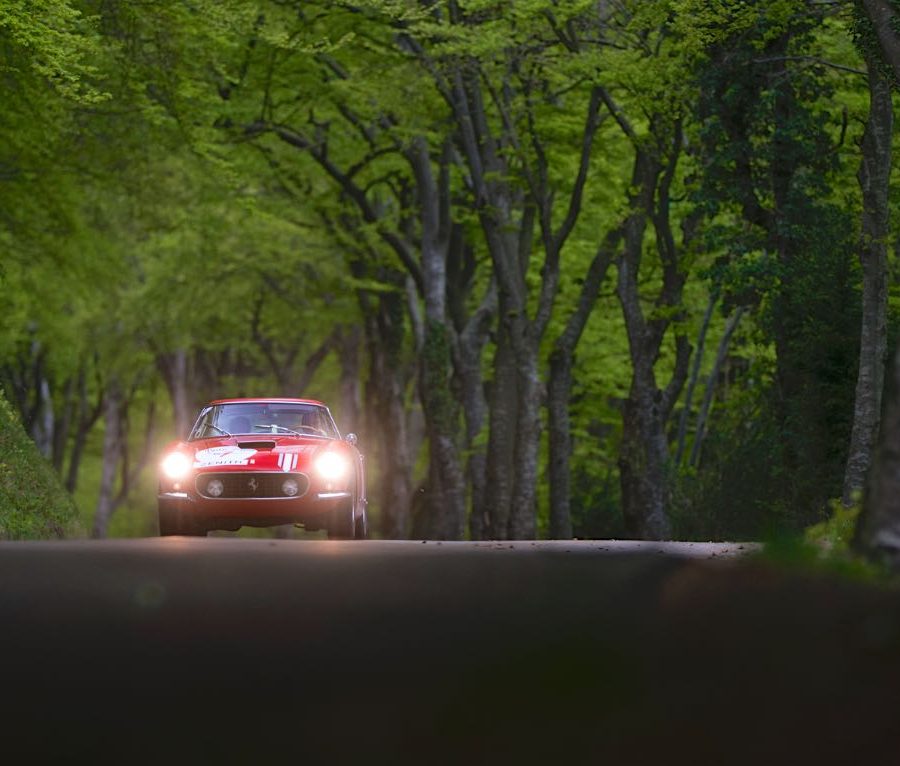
[33, 503]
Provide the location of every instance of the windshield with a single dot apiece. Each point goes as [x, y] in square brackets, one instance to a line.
[246, 418]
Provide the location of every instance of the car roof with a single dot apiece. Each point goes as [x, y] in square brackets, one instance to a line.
[257, 400]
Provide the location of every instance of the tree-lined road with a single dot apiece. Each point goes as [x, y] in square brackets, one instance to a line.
[587, 268]
[259, 651]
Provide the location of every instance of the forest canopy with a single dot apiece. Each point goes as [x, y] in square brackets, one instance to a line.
[593, 269]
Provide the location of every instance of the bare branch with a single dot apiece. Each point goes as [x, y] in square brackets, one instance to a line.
[618, 115]
[592, 122]
[314, 361]
[355, 193]
[814, 60]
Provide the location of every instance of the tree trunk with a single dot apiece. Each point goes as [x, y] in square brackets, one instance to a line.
[112, 452]
[446, 493]
[711, 382]
[515, 422]
[878, 530]
[559, 387]
[386, 411]
[87, 416]
[644, 456]
[396, 466]
[130, 469]
[175, 372]
[695, 376]
[517, 445]
[351, 397]
[874, 180]
[63, 425]
[42, 423]
[475, 408]
[523, 504]
[643, 462]
[75, 458]
[446, 500]
[501, 439]
[788, 301]
[885, 17]
[529, 336]
[515, 398]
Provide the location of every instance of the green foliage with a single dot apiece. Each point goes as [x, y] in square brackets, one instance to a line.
[766, 467]
[866, 40]
[55, 41]
[33, 504]
[738, 490]
[835, 534]
[774, 187]
[166, 185]
[810, 557]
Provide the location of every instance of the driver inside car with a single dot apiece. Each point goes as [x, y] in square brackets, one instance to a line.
[292, 420]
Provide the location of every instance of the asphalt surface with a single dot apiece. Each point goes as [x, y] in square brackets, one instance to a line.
[249, 651]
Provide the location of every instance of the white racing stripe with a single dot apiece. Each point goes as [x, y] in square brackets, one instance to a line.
[288, 461]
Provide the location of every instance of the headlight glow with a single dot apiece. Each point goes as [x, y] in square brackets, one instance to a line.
[176, 465]
[332, 466]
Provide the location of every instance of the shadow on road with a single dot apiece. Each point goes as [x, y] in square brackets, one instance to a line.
[238, 651]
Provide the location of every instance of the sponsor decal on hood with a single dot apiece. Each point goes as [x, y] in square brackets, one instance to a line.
[229, 455]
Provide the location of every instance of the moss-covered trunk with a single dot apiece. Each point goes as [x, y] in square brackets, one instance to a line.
[446, 481]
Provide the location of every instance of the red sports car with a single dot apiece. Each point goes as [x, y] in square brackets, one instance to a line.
[260, 463]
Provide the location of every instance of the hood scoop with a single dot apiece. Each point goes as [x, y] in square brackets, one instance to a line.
[257, 445]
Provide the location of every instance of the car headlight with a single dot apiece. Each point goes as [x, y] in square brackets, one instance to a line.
[332, 466]
[176, 465]
[290, 488]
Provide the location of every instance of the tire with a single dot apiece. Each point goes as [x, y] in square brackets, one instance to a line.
[361, 527]
[173, 522]
[341, 525]
[168, 521]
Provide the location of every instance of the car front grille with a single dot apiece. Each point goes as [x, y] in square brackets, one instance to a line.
[251, 485]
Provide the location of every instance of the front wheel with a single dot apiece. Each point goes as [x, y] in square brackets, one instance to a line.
[341, 525]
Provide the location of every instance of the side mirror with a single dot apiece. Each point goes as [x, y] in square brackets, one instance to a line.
[351, 439]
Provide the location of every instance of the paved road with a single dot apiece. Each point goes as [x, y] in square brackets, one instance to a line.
[238, 651]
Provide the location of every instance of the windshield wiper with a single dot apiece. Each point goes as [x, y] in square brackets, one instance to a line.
[220, 430]
[277, 427]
